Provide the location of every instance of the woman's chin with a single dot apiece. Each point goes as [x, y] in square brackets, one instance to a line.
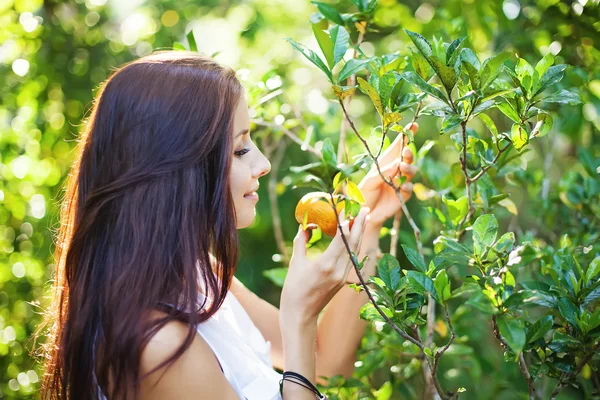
[247, 220]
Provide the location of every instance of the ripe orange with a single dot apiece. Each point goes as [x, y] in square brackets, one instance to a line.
[320, 211]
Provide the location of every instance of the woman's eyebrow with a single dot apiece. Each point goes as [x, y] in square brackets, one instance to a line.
[242, 132]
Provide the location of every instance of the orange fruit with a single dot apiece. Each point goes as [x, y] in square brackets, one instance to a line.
[320, 211]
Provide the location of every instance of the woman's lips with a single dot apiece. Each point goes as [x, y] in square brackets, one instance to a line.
[252, 196]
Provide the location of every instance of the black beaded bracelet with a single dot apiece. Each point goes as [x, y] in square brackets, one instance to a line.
[302, 381]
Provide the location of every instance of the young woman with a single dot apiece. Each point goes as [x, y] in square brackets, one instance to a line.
[146, 304]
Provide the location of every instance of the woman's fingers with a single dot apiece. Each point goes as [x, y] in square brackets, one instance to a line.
[336, 247]
[355, 238]
[299, 246]
[408, 170]
[407, 155]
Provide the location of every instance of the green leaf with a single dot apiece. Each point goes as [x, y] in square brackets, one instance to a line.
[552, 76]
[421, 283]
[352, 67]
[593, 269]
[329, 153]
[486, 105]
[414, 258]
[542, 66]
[489, 123]
[524, 72]
[312, 57]
[179, 46]
[329, 12]
[442, 286]
[518, 136]
[192, 41]
[450, 122]
[510, 112]
[457, 209]
[491, 68]
[369, 313]
[416, 80]
[446, 74]
[543, 125]
[468, 56]
[340, 40]
[513, 332]
[420, 65]
[388, 269]
[539, 328]
[569, 311]
[325, 43]
[370, 91]
[276, 275]
[563, 97]
[386, 85]
[485, 230]
[354, 192]
[454, 51]
[481, 302]
[421, 43]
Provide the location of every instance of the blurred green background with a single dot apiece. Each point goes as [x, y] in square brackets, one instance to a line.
[54, 55]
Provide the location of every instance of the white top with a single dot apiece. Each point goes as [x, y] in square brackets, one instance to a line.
[242, 351]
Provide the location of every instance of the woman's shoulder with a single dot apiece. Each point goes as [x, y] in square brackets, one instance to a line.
[196, 369]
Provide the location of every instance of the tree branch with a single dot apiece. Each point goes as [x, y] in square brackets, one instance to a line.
[304, 146]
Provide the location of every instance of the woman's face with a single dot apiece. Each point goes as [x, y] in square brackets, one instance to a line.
[248, 164]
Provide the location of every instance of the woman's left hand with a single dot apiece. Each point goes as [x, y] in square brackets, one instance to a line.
[379, 196]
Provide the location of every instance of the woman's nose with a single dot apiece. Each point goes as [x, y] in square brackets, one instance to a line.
[263, 165]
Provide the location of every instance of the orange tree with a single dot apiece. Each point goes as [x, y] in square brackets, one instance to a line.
[536, 292]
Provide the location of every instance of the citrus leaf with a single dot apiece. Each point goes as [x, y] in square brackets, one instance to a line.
[414, 258]
[416, 80]
[370, 91]
[421, 283]
[354, 192]
[485, 230]
[552, 76]
[421, 43]
[539, 328]
[340, 40]
[329, 12]
[388, 270]
[312, 57]
[325, 43]
[513, 332]
[518, 136]
[192, 41]
[351, 67]
[563, 97]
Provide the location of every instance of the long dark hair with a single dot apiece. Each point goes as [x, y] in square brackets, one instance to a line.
[146, 220]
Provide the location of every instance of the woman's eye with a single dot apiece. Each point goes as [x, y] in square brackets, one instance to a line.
[240, 153]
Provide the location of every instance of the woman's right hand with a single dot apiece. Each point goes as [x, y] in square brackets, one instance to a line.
[310, 285]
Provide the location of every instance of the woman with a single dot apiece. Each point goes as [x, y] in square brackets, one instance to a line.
[145, 302]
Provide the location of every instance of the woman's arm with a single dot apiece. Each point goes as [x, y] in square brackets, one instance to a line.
[197, 374]
[339, 330]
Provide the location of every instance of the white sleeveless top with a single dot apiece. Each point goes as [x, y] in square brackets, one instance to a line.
[242, 351]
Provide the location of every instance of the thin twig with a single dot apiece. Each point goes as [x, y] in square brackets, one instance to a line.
[412, 223]
[485, 169]
[291, 135]
[522, 363]
[417, 232]
[364, 285]
[344, 126]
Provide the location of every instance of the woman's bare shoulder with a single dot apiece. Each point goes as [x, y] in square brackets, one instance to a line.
[195, 372]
